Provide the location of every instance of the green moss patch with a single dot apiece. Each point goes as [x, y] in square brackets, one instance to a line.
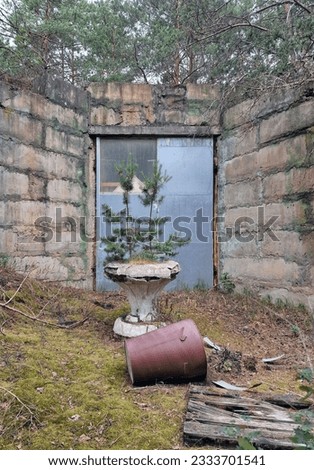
[69, 388]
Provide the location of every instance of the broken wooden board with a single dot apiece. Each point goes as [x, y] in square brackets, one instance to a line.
[221, 419]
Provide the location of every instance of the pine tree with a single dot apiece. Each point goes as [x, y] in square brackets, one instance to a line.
[134, 237]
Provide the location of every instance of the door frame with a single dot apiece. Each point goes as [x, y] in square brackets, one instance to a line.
[105, 131]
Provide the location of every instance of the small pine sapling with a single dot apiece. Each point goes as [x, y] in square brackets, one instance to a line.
[139, 237]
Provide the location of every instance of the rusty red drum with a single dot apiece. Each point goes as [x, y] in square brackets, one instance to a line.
[171, 353]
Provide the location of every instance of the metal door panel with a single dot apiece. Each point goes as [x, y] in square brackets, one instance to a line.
[189, 203]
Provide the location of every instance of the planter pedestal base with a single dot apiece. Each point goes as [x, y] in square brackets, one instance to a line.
[127, 329]
[142, 284]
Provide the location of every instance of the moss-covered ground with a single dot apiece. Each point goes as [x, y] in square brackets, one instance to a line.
[68, 388]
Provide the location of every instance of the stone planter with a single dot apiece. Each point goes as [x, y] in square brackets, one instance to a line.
[142, 283]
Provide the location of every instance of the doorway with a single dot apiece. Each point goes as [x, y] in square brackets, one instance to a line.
[188, 202]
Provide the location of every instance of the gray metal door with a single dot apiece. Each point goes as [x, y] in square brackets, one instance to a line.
[188, 205]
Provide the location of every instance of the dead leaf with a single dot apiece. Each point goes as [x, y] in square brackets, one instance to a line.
[84, 438]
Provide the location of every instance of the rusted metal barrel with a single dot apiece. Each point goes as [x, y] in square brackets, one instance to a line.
[173, 353]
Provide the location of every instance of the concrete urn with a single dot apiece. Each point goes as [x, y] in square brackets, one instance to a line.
[142, 283]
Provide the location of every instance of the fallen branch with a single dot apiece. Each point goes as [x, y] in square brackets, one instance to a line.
[34, 317]
[18, 399]
[1, 327]
[45, 322]
[17, 290]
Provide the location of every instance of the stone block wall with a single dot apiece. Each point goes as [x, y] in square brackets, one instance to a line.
[46, 182]
[143, 108]
[266, 195]
[265, 160]
[47, 163]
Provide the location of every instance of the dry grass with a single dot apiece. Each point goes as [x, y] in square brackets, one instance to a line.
[68, 388]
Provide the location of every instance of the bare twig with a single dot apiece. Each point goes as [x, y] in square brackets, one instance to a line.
[17, 290]
[34, 318]
[32, 315]
[1, 327]
[18, 399]
[48, 302]
[229, 27]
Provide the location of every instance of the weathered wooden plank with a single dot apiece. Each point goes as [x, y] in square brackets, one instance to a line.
[225, 400]
[223, 418]
[212, 416]
[285, 401]
[246, 408]
[200, 433]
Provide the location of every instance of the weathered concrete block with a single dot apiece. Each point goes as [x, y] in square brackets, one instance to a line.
[198, 116]
[288, 184]
[105, 117]
[60, 190]
[61, 233]
[3, 219]
[7, 242]
[63, 142]
[202, 92]
[237, 247]
[49, 268]
[12, 183]
[40, 267]
[149, 115]
[136, 93]
[240, 142]
[279, 100]
[267, 104]
[49, 164]
[233, 215]
[62, 214]
[37, 187]
[5, 91]
[264, 270]
[105, 91]
[22, 101]
[62, 93]
[21, 213]
[239, 114]
[173, 116]
[282, 215]
[23, 128]
[288, 246]
[242, 194]
[27, 242]
[283, 155]
[127, 93]
[38, 106]
[76, 267]
[276, 186]
[288, 214]
[308, 246]
[298, 117]
[132, 115]
[67, 243]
